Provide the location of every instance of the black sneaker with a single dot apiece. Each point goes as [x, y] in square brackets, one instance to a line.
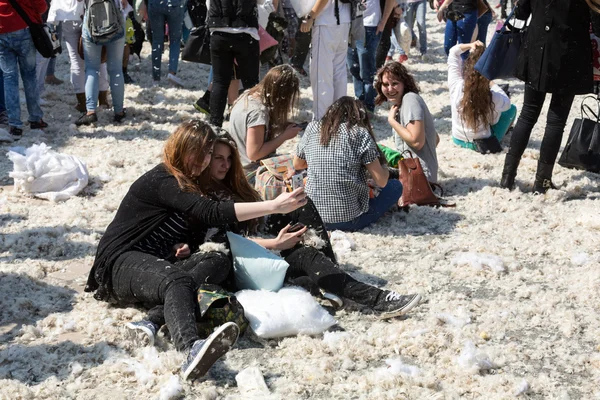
[300, 71]
[391, 304]
[202, 105]
[204, 353]
[38, 125]
[16, 133]
[120, 117]
[128, 79]
[87, 119]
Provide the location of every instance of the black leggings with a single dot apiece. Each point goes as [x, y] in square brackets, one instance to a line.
[560, 105]
[314, 268]
[143, 278]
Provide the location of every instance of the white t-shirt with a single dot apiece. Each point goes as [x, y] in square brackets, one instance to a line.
[456, 83]
[65, 10]
[327, 16]
[372, 14]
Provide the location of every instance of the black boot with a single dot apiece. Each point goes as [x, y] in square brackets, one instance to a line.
[543, 178]
[511, 163]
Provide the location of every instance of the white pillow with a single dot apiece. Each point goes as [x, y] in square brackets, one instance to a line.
[291, 311]
[254, 266]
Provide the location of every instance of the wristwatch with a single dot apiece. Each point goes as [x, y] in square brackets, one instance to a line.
[307, 18]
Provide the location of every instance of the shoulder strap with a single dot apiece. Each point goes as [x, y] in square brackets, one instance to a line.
[336, 11]
[22, 12]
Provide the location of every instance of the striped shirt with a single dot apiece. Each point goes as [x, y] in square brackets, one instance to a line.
[160, 242]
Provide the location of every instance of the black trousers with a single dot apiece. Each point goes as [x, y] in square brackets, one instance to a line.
[314, 268]
[224, 49]
[560, 105]
[302, 47]
[169, 289]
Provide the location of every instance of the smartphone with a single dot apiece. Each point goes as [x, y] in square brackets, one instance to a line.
[302, 125]
[297, 181]
[296, 227]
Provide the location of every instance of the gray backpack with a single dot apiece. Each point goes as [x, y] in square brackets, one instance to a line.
[104, 21]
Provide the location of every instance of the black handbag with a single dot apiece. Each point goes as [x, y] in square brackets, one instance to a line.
[583, 147]
[197, 47]
[499, 60]
[43, 35]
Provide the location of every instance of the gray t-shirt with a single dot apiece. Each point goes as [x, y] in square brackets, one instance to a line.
[414, 109]
[247, 113]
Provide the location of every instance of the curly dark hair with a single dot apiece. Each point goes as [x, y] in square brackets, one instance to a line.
[476, 107]
[399, 72]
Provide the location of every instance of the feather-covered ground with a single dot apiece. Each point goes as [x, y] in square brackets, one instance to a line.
[510, 279]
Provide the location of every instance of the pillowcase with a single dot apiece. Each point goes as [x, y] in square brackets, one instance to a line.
[254, 266]
[291, 311]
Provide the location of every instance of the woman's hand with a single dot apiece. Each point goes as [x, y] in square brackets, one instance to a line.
[291, 131]
[286, 240]
[307, 25]
[182, 250]
[475, 44]
[392, 113]
[290, 201]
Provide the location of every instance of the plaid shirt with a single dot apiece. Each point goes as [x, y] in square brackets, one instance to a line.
[337, 176]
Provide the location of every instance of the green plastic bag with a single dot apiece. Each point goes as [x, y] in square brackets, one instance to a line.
[218, 306]
[391, 156]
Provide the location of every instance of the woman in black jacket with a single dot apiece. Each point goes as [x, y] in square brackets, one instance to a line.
[556, 58]
[141, 257]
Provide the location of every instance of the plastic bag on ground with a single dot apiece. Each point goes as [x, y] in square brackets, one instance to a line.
[47, 174]
[291, 311]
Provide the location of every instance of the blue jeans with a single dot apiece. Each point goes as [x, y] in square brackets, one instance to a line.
[460, 31]
[482, 26]
[2, 104]
[418, 10]
[361, 62]
[172, 12]
[114, 65]
[17, 53]
[388, 197]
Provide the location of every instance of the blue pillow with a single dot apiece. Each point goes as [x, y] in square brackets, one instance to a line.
[255, 267]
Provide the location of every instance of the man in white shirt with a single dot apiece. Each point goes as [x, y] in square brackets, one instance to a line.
[330, 23]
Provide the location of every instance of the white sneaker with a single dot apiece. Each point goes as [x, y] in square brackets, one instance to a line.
[175, 80]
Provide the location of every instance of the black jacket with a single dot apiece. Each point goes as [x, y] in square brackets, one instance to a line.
[557, 53]
[146, 205]
[233, 14]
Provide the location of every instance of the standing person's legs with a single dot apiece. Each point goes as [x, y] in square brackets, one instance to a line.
[465, 28]
[114, 66]
[532, 107]
[26, 56]
[175, 20]
[482, 26]
[72, 32]
[222, 65]
[384, 46]
[41, 69]
[321, 71]
[247, 57]
[450, 36]
[560, 106]
[366, 54]
[58, 28]
[354, 68]
[157, 12]
[421, 16]
[340, 75]
[141, 278]
[303, 40]
[3, 113]
[92, 54]
[10, 72]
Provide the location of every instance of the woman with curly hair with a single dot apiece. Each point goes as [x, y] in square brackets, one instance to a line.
[481, 110]
[409, 117]
[259, 118]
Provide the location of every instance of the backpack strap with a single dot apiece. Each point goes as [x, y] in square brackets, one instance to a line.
[22, 12]
[336, 11]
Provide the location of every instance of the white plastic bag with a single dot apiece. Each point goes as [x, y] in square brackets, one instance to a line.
[291, 311]
[303, 7]
[47, 174]
[403, 35]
